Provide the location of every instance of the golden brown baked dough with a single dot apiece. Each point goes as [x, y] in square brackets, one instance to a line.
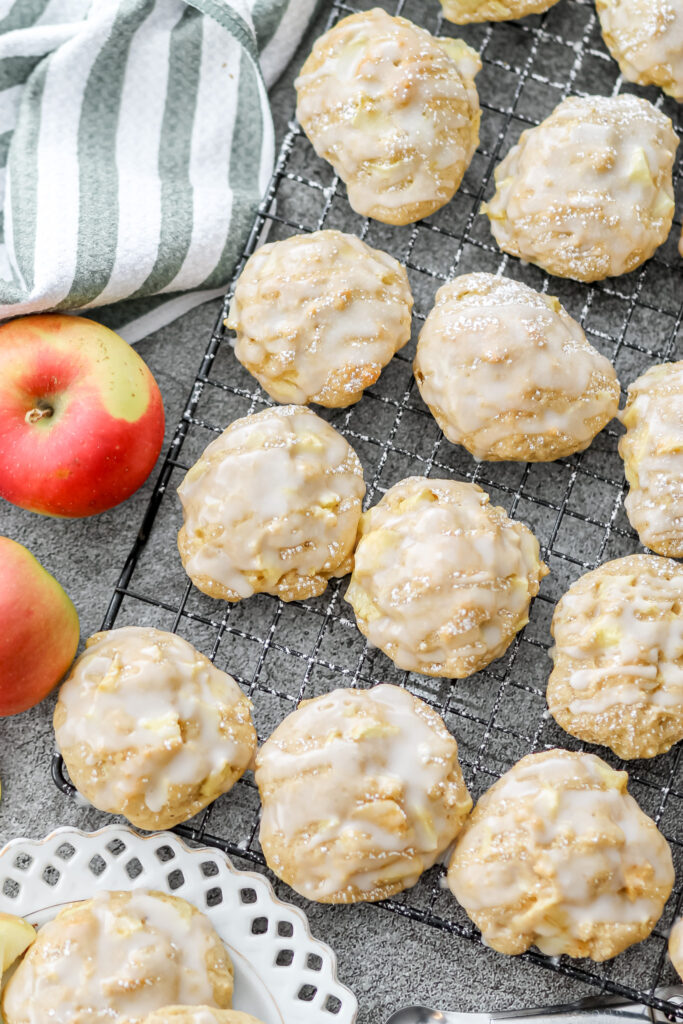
[558, 855]
[618, 656]
[199, 1015]
[676, 946]
[645, 37]
[588, 194]
[442, 580]
[652, 450]
[318, 316]
[508, 374]
[119, 956]
[361, 792]
[150, 729]
[462, 12]
[272, 506]
[394, 110]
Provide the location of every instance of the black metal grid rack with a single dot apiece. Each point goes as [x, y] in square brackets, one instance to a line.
[283, 653]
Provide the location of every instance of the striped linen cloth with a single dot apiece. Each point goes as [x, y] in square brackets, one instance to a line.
[135, 144]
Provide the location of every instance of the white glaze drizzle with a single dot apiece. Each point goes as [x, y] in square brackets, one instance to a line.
[652, 450]
[199, 1015]
[132, 693]
[394, 110]
[630, 627]
[442, 580]
[676, 946]
[496, 358]
[583, 847]
[278, 492]
[118, 957]
[646, 38]
[365, 779]
[463, 12]
[588, 193]
[317, 316]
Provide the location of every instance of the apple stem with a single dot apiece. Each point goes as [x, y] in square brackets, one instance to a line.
[41, 411]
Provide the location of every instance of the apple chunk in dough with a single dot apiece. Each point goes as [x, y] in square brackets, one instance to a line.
[16, 935]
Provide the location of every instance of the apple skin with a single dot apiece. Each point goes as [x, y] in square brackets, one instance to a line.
[39, 635]
[81, 416]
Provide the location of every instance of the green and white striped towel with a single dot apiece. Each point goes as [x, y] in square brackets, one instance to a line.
[135, 144]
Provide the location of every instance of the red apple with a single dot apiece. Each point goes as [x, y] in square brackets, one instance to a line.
[81, 416]
[39, 634]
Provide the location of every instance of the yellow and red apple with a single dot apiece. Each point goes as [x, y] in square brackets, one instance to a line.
[81, 416]
[39, 634]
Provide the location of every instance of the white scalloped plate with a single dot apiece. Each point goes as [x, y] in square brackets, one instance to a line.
[282, 974]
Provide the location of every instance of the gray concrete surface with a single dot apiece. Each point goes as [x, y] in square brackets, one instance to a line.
[388, 960]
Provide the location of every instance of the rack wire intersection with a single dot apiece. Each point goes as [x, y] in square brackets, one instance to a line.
[283, 653]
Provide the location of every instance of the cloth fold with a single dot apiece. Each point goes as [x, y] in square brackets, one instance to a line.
[135, 144]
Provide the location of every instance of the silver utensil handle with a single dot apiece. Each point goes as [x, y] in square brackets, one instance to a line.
[596, 1010]
[605, 1010]
[598, 1014]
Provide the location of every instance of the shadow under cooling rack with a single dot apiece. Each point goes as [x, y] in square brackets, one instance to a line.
[283, 653]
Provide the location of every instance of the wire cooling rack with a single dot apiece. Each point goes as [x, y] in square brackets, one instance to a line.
[281, 653]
